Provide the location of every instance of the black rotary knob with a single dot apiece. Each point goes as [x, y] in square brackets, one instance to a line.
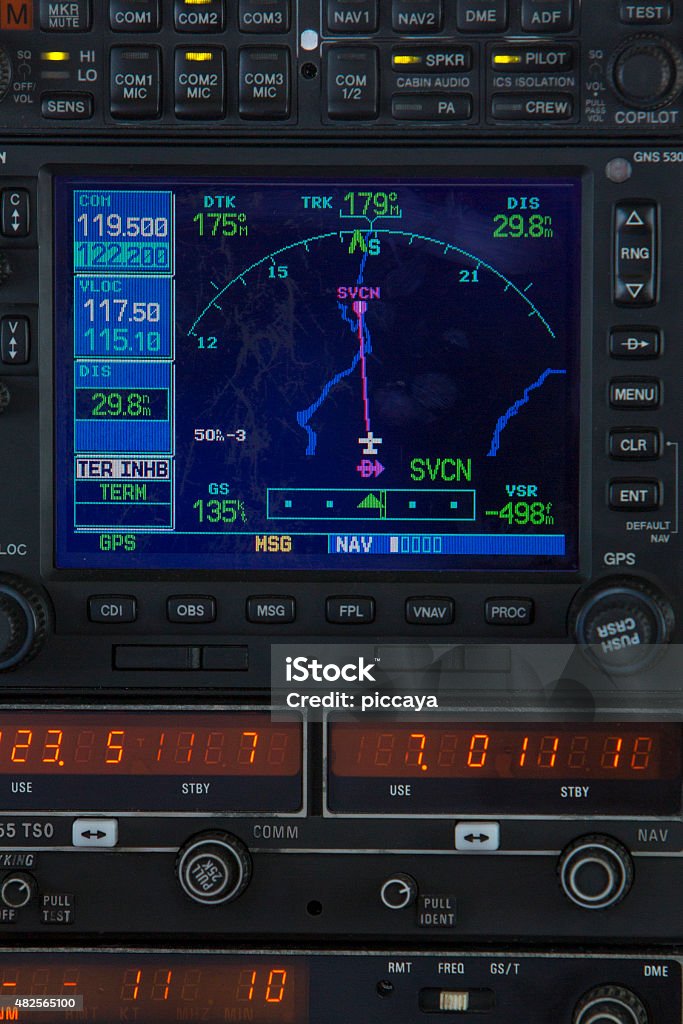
[610, 1004]
[622, 624]
[647, 72]
[595, 872]
[5, 267]
[5, 73]
[4, 397]
[213, 868]
[17, 890]
[23, 622]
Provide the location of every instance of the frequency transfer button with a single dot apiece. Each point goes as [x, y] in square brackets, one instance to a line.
[265, 15]
[191, 609]
[509, 611]
[65, 15]
[200, 83]
[482, 15]
[135, 82]
[634, 495]
[416, 16]
[430, 611]
[547, 106]
[15, 340]
[477, 835]
[271, 610]
[264, 83]
[116, 609]
[95, 832]
[634, 444]
[431, 107]
[635, 241]
[66, 106]
[350, 610]
[635, 343]
[134, 15]
[547, 15]
[652, 12]
[352, 83]
[635, 393]
[356, 16]
[199, 15]
[16, 213]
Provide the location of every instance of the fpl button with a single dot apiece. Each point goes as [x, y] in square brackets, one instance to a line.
[353, 16]
[547, 106]
[16, 213]
[547, 15]
[635, 258]
[112, 609]
[135, 82]
[635, 343]
[430, 611]
[264, 83]
[199, 15]
[398, 892]
[509, 611]
[350, 611]
[134, 15]
[15, 340]
[645, 12]
[352, 83]
[634, 444]
[482, 15]
[265, 15]
[200, 83]
[65, 15]
[477, 836]
[635, 495]
[271, 610]
[95, 832]
[413, 17]
[191, 609]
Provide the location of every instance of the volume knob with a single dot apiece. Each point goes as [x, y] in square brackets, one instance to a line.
[610, 1004]
[23, 622]
[646, 72]
[213, 868]
[596, 872]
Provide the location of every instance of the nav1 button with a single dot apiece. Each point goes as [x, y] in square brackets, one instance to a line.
[477, 835]
[97, 833]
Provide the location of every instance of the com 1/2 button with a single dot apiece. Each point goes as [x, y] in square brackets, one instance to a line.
[200, 83]
[135, 91]
[264, 83]
[352, 83]
[191, 609]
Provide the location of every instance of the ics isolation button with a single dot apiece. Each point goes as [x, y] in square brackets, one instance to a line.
[548, 106]
[134, 15]
[645, 12]
[530, 59]
[413, 17]
[265, 15]
[431, 107]
[352, 16]
[482, 15]
[547, 15]
[65, 15]
[432, 59]
[264, 83]
[635, 257]
[199, 15]
[66, 106]
[635, 495]
[135, 82]
[200, 83]
[352, 83]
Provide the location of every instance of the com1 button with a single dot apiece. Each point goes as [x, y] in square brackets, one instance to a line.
[352, 83]
[264, 83]
[200, 84]
[191, 609]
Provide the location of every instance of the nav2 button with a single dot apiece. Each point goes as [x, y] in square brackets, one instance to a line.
[477, 836]
[95, 833]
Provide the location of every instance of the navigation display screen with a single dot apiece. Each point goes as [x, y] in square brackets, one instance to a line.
[317, 375]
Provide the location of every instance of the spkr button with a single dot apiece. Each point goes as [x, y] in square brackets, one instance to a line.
[432, 58]
[134, 15]
[199, 15]
[16, 213]
[65, 15]
[635, 240]
[635, 343]
[264, 83]
[191, 609]
[135, 82]
[482, 15]
[352, 83]
[354, 16]
[412, 17]
[200, 83]
[114, 609]
[15, 340]
[265, 15]
[547, 15]
[350, 610]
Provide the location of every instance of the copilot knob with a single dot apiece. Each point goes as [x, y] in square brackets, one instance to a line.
[610, 1004]
[213, 868]
[646, 72]
[23, 622]
[595, 872]
[5, 72]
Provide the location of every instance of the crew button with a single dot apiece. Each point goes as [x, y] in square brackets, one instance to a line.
[350, 610]
[635, 495]
[200, 83]
[265, 15]
[509, 611]
[482, 15]
[135, 82]
[134, 15]
[547, 15]
[635, 343]
[415, 17]
[635, 240]
[352, 83]
[264, 83]
[271, 610]
[67, 106]
[354, 16]
[632, 443]
[191, 609]
[638, 12]
[15, 340]
[549, 106]
[115, 609]
[15, 220]
[430, 611]
[635, 393]
[73, 16]
[205, 16]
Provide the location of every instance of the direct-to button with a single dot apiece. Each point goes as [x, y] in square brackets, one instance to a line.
[477, 836]
[482, 15]
[15, 219]
[413, 17]
[633, 443]
[264, 83]
[635, 495]
[202, 16]
[355, 16]
[635, 242]
[635, 343]
[352, 83]
[547, 15]
[546, 106]
[97, 833]
[191, 609]
[509, 611]
[265, 15]
[135, 88]
[65, 15]
[635, 393]
[15, 340]
[430, 611]
[350, 610]
[645, 12]
[67, 106]
[271, 610]
[515, 60]
[200, 83]
[114, 609]
[134, 15]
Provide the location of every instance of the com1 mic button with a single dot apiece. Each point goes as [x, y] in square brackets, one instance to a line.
[398, 892]
[214, 868]
[17, 890]
[595, 872]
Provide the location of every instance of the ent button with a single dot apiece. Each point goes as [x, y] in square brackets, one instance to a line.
[350, 610]
[634, 495]
[264, 83]
[95, 832]
[135, 82]
[352, 83]
[116, 609]
[635, 241]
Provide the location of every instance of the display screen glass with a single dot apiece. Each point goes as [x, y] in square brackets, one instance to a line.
[154, 989]
[450, 765]
[139, 760]
[317, 375]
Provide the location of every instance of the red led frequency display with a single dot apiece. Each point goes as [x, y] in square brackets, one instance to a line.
[150, 744]
[425, 750]
[154, 990]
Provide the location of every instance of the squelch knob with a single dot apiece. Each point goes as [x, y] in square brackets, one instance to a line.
[5, 73]
[610, 1004]
[647, 72]
[214, 868]
[595, 872]
[23, 622]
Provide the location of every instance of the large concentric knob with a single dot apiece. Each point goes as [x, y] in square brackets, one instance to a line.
[647, 72]
[595, 872]
[213, 868]
[610, 1004]
[23, 622]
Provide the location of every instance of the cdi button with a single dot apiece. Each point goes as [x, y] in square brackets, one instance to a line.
[134, 15]
[95, 832]
[264, 83]
[200, 83]
[350, 610]
[16, 213]
[477, 836]
[65, 15]
[352, 83]
[116, 609]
